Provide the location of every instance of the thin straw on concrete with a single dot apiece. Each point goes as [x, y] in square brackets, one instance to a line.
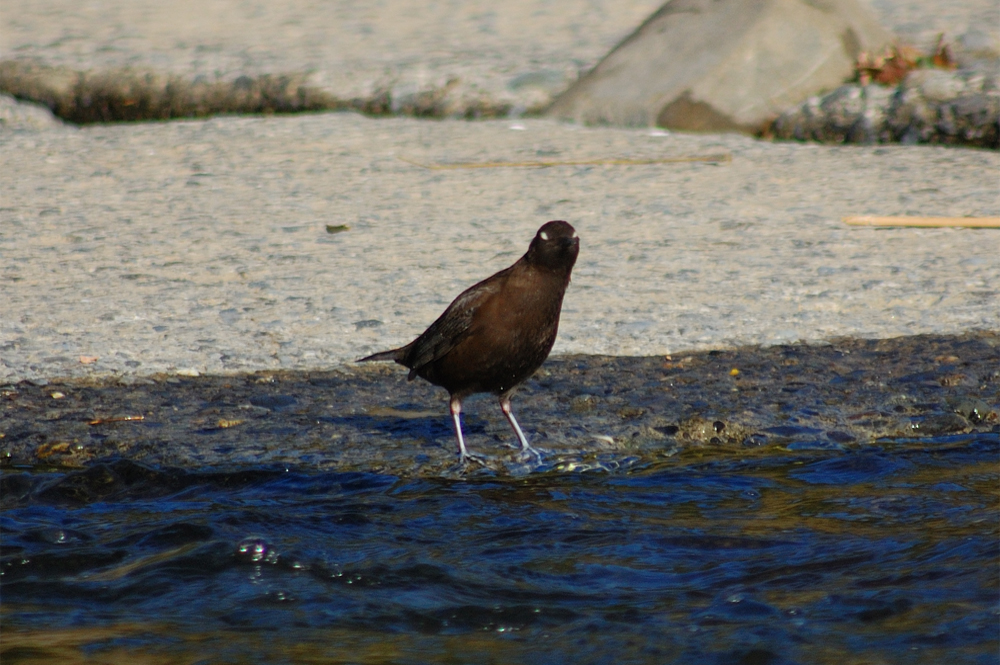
[972, 222]
[714, 159]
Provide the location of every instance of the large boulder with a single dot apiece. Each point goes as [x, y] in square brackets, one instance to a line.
[723, 65]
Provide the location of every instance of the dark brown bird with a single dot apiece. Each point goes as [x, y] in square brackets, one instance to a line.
[497, 332]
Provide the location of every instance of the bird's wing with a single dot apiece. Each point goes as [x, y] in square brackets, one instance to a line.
[452, 326]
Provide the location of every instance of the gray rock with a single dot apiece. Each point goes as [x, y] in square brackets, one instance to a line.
[934, 106]
[978, 47]
[849, 114]
[23, 116]
[721, 65]
[929, 106]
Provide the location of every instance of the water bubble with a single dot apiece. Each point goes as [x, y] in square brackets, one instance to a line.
[256, 550]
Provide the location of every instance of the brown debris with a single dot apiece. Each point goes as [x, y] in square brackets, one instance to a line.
[892, 65]
[121, 419]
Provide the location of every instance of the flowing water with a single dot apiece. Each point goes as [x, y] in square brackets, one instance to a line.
[882, 554]
[833, 504]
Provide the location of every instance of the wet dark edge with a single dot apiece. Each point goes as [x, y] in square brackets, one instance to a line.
[864, 435]
[129, 95]
[605, 412]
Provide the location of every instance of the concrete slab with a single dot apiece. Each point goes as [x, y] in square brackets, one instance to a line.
[514, 54]
[467, 58]
[202, 246]
[711, 65]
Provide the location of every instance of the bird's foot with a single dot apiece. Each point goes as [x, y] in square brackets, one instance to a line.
[529, 454]
[467, 460]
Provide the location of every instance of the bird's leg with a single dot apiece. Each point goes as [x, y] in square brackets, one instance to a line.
[455, 407]
[525, 446]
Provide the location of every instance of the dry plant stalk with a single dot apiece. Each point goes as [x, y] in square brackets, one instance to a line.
[970, 222]
[712, 159]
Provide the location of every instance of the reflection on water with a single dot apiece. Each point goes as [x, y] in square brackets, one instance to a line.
[879, 553]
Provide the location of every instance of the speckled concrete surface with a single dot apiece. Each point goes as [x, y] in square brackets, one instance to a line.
[518, 52]
[202, 246]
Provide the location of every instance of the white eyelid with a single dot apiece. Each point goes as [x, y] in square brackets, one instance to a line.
[544, 235]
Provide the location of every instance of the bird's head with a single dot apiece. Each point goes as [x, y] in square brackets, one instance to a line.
[554, 247]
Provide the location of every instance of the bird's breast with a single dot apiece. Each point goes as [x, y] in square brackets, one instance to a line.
[510, 337]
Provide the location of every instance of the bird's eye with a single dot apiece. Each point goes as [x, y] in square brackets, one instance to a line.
[543, 235]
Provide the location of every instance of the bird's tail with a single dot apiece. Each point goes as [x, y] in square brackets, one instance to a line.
[395, 355]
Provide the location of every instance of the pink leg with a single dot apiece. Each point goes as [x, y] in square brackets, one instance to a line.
[455, 406]
[525, 446]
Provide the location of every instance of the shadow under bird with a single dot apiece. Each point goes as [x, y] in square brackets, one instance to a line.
[498, 332]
